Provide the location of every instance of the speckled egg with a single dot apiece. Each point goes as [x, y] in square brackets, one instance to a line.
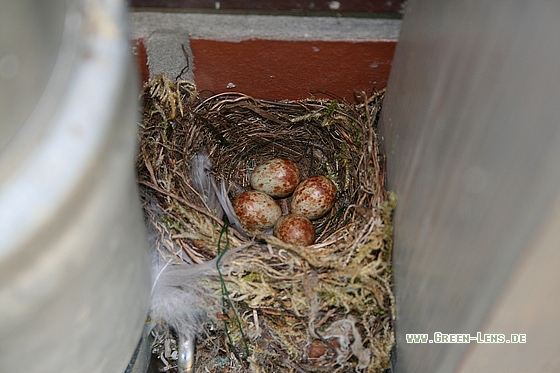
[313, 197]
[277, 177]
[295, 230]
[256, 210]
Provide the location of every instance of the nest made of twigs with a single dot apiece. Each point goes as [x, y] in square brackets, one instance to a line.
[326, 307]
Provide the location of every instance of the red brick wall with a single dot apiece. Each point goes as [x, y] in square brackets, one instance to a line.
[276, 70]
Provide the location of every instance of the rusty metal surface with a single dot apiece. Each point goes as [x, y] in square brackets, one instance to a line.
[472, 135]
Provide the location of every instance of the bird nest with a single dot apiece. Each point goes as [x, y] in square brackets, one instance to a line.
[269, 306]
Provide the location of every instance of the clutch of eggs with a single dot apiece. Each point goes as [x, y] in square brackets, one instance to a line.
[278, 178]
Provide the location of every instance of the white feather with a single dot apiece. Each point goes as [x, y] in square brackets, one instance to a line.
[181, 302]
[215, 198]
[227, 207]
[204, 183]
[180, 299]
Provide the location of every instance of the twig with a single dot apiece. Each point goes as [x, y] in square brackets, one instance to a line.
[182, 200]
[190, 205]
[148, 164]
[286, 359]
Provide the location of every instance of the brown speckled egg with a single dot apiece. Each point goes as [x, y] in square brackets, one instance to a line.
[295, 230]
[277, 177]
[256, 210]
[313, 197]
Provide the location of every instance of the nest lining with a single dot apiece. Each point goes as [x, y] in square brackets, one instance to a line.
[326, 307]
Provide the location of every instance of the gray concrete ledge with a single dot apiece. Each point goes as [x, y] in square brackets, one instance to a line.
[229, 27]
